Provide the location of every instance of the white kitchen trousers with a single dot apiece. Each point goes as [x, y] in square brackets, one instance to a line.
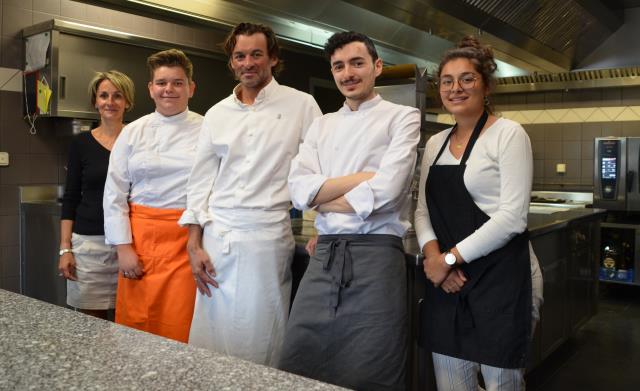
[246, 315]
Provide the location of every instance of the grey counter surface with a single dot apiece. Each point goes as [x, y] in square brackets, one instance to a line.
[539, 224]
[49, 347]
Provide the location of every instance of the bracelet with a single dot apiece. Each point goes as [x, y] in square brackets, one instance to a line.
[64, 251]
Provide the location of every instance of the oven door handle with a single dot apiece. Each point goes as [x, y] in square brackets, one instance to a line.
[630, 175]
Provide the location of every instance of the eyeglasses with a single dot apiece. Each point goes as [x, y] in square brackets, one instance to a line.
[465, 82]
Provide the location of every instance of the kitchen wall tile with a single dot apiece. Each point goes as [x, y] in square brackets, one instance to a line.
[550, 169]
[9, 230]
[9, 200]
[14, 137]
[517, 101]
[612, 97]
[45, 141]
[612, 129]
[574, 167]
[552, 132]
[587, 184]
[571, 150]
[582, 98]
[17, 172]
[14, 19]
[62, 169]
[47, 6]
[591, 131]
[538, 168]
[586, 170]
[535, 131]
[24, 4]
[631, 129]
[586, 150]
[631, 96]
[500, 102]
[12, 52]
[73, 9]
[10, 261]
[11, 284]
[553, 99]
[571, 132]
[538, 149]
[553, 150]
[535, 101]
[43, 169]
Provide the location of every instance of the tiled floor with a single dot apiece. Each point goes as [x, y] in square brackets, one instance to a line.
[605, 353]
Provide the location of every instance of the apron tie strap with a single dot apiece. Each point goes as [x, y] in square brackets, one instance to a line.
[340, 266]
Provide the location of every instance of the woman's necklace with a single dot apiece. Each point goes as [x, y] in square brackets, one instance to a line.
[456, 142]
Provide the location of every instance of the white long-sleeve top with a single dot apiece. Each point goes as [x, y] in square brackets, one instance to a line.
[498, 177]
[380, 137]
[149, 165]
[244, 154]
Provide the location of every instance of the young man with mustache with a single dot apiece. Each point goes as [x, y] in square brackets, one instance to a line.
[348, 323]
[240, 239]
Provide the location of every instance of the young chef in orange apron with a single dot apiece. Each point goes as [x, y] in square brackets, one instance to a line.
[145, 195]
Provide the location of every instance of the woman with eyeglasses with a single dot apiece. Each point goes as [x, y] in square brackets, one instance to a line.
[471, 224]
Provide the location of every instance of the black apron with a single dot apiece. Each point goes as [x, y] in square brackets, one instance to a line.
[489, 320]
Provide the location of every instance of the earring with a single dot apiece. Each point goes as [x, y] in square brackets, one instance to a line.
[486, 100]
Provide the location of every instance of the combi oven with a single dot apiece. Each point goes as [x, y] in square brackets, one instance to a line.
[616, 184]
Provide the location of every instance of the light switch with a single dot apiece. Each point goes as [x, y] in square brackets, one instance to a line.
[4, 158]
[561, 168]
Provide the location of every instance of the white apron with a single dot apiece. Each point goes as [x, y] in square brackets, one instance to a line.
[246, 316]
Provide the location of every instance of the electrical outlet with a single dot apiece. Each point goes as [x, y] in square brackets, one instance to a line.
[4, 158]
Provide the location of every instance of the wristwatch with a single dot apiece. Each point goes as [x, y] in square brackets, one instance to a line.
[64, 251]
[450, 259]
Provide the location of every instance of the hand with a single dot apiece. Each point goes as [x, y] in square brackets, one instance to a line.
[311, 245]
[436, 269]
[454, 281]
[67, 266]
[128, 262]
[202, 269]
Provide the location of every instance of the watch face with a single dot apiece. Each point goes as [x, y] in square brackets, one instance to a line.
[450, 259]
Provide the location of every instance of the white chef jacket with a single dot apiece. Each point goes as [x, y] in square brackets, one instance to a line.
[380, 137]
[498, 177]
[149, 165]
[244, 154]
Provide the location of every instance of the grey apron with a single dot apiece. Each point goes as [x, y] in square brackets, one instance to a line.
[348, 324]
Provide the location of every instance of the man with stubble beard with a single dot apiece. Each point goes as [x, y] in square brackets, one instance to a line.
[240, 239]
[348, 324]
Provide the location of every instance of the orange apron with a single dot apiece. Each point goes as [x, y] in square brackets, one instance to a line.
[162, 301]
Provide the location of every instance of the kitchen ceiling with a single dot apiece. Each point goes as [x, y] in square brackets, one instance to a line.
[529, 36]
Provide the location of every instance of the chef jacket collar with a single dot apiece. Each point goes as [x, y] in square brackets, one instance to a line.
[174, 118]
[262, 95]
[363, 106]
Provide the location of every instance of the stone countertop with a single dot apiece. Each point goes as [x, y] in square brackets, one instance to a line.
[49, 347]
